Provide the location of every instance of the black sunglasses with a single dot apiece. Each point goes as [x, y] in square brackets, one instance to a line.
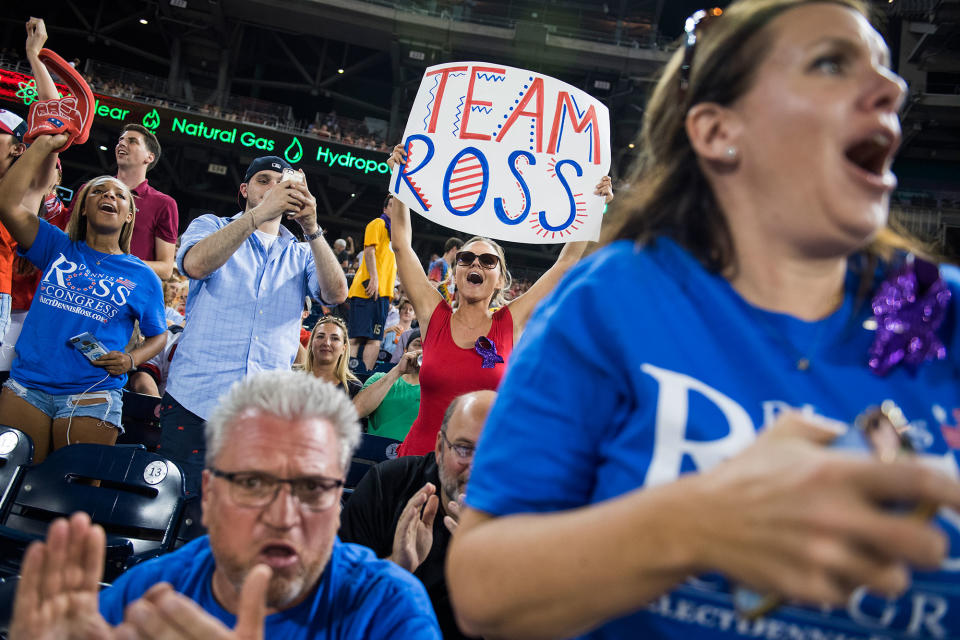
[700, 17]
[487, 260]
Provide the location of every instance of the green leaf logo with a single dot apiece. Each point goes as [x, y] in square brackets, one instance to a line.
[294, 152]
[151, 120]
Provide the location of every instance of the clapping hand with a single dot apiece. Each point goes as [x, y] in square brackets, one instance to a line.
[454, 508]
[413, 538]
[163, 614]
[58, 593]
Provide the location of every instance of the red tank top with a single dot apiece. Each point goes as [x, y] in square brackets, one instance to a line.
[449, 371]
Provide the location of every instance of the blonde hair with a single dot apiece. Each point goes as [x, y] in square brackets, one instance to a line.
[669, 194]
[497, 300]
[77, 226]
[342, 368]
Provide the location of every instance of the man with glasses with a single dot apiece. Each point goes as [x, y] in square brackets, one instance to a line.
[279, 445]
[406, 509]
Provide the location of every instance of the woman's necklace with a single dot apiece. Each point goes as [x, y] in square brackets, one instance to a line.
[103, 255]
[802, 358]
[463, 323]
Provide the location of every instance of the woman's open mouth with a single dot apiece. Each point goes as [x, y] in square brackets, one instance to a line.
[871, 156]
[474, 278]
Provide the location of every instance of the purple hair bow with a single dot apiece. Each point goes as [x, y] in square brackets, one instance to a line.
[909, 307]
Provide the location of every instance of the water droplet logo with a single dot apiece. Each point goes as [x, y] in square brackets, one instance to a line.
[151, 120]
[294, 152]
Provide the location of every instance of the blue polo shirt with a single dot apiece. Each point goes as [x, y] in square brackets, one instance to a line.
[358, 596]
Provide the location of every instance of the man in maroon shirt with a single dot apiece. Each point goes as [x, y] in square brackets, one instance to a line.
[155, 230]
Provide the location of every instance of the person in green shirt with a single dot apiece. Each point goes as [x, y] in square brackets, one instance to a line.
[390, 401]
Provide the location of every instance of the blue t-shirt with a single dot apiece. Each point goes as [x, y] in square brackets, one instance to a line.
[358, 596]
[82, 290]
[589, 411]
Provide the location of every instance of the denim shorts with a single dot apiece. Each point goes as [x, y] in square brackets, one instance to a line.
[62, 406]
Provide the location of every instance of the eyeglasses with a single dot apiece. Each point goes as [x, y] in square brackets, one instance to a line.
[690, 41]
[487, 260]
[257, 490]
[464, 452]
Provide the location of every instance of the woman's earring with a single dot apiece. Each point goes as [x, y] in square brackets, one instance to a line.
[732, 152]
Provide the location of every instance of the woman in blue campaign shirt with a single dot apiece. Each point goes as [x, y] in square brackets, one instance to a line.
[666, 415]
[90, 284]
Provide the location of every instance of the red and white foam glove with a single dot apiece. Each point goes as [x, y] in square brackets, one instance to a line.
[72, 114]
[51, 117]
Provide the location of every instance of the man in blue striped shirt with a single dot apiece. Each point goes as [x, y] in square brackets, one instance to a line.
[248, 280]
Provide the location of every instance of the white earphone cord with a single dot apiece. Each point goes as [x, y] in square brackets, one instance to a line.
[77, 403]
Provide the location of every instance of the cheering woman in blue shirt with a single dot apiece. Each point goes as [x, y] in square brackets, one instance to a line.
[90, 285]
[643, 443]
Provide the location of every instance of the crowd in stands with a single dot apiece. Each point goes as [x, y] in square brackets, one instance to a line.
[629, 411]
[330, 127]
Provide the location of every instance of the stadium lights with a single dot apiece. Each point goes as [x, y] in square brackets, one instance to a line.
[144, 21]
[339, 70]
[102, 148]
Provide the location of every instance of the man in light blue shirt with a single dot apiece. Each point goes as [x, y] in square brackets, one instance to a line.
[248, 280]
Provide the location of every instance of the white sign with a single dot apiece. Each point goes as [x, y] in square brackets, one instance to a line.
[505, 153]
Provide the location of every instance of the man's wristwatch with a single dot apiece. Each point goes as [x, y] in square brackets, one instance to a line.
[310, 237]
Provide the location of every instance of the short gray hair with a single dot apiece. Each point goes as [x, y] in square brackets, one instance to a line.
[289, 395]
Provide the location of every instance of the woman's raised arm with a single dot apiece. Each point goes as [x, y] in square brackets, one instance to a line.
[36, 37]
[420, 290]
[23, 187]
[523, 305]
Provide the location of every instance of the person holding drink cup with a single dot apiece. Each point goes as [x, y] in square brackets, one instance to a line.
[767, 305]
[391, 401]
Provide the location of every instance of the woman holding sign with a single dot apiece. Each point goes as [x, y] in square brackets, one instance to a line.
[466, 349]
[760, 291]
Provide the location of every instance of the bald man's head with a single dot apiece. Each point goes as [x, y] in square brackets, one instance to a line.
[459, 433]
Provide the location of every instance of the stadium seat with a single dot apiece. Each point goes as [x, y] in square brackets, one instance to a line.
[140, 420]
[190, 525]
[8, 591]
[135, 495]
[372, 450]
[16, 452]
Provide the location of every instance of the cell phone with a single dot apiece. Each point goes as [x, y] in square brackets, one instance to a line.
[89, 346]
[879, 431]
[289, 175]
